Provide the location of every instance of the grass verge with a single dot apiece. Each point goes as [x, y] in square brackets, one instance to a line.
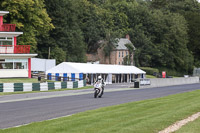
[148, 116]
[19, 80]
[24, 80]
[11, 93]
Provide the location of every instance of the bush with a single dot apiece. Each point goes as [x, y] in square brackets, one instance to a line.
[158, 72]
[171, 72]
[150, 71]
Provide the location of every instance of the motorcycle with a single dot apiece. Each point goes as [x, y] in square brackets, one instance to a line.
[98, 92]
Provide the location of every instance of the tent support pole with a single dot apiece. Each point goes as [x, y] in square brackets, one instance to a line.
[91, 79]
[117, 78]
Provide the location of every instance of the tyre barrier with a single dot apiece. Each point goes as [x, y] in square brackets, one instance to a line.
[25, 87]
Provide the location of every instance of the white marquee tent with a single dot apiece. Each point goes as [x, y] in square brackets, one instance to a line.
[68, 67]
[93, 69]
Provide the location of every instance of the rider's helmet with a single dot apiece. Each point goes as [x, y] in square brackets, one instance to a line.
[99, 77]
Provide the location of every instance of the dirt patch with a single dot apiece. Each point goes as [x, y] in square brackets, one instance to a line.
[179, 124]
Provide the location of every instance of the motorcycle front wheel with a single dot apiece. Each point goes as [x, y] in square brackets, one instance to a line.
[95, 93]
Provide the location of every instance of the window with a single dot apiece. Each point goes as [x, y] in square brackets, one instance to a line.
[6, 38]
[13, 63]
[122, 54]
[119, 54]
[6, 65]
[119, 63]
[20, 65]
[6, 41]
[126, 52]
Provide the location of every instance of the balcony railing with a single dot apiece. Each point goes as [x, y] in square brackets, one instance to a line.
[8, 27]
[19, 49]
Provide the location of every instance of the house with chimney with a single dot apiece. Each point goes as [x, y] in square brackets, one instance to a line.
[15, 60]
[117, 55]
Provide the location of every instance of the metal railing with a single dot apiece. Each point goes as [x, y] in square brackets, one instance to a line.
[18, 49]
[61, 78]
[8, 27]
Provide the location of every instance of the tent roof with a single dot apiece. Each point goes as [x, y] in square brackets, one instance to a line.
[69, 67]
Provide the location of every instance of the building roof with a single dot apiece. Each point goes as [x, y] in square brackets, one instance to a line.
[10, 34]
[3, 13]
[8, 56]
[69, 67]
[121, 43]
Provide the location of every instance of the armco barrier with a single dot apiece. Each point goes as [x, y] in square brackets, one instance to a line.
[51, 86]
[63, 85]
[84, 82]
[1, 87]
[8, 87]
[13, 87]
[27, 86]
[70, 85]
[18, 86]
[57, 85]
[43, 87]
[36, 87]
[75, 84]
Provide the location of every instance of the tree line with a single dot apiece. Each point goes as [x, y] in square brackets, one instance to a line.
[165, 33]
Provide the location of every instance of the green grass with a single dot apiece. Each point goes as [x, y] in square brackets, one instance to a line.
[192, 127]
[23, 80]
[150, 76]
[18, 80]
[148, 116]
[18, 92]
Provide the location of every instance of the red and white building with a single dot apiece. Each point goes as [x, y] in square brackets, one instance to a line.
[15, 60]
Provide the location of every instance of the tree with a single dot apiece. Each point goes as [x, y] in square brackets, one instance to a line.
[58, 54]
[190, 10]
[193, 19]
[109, 44]
[67, 34]
[92, 24]
[160, 38]
[117, 22]
[129, 58]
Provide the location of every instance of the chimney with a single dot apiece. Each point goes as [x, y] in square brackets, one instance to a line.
[127, 36]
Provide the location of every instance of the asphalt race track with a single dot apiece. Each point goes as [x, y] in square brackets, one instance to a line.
[15, 113]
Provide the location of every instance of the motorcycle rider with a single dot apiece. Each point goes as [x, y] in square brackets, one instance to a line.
[100, 79]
